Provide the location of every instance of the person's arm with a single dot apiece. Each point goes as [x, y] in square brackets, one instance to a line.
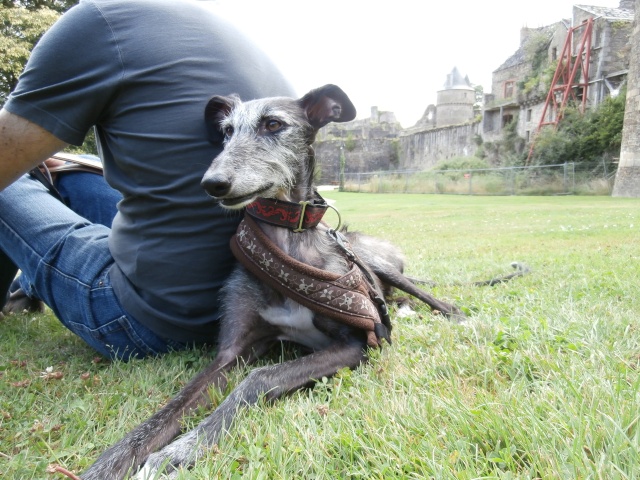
[23, 145]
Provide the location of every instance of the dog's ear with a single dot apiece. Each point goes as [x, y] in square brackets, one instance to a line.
[327, 104]
[217, 108]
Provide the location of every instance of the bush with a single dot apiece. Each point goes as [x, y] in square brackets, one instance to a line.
[583, 137]
[462, 163]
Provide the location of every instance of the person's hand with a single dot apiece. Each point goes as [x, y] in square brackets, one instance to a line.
[53, 162]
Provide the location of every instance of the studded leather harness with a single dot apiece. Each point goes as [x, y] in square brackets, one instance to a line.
[351, 298]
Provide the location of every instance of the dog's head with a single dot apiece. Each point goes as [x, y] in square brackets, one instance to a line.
[267, 142]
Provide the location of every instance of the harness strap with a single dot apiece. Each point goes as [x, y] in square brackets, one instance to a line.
[345, 298]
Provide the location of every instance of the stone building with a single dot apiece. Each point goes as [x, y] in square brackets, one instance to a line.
[454, 104]
[379, 143]
[521, 84]
[519, 92]
[514, 90]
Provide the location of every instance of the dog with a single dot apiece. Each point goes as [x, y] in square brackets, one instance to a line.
[268, 157]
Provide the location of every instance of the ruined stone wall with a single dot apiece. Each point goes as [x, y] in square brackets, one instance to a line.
[367, 146]
[366, 155]
[419, 150]
[619, 47]
[374, 147]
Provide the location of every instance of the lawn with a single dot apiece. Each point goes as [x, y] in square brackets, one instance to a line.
[542, 381]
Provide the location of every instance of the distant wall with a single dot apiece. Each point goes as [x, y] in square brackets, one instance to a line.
[423, 149]
[370, 147]
[367, 146]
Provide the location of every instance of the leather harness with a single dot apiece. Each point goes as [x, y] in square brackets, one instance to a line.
[351, 299]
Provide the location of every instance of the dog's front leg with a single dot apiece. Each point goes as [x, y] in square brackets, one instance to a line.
[239, 341]
[124, 457]
[271, 382]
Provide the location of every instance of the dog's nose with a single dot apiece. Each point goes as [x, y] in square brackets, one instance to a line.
[216, 185]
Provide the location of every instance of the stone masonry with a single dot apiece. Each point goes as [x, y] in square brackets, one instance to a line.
[627, 182]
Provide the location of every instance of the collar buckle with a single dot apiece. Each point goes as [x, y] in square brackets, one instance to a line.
[303, 204]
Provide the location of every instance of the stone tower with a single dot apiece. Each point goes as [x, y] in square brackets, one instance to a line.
[455, 101]
[628, 176]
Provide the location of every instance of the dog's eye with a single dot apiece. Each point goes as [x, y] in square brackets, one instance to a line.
[228, 131]
[273, 125]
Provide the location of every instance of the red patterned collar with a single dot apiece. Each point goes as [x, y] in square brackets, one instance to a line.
[295, 216]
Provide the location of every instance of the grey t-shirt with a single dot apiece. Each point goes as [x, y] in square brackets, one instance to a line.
[142, 71]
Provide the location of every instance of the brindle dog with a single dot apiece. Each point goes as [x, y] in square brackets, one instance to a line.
[268, 154]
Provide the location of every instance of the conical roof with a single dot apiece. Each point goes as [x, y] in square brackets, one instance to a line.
[455, 81]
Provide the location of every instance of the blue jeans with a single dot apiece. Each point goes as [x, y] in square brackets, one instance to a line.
[89, 196]
[65, 261]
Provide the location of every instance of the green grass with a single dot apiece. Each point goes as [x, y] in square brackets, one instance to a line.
[541, 382]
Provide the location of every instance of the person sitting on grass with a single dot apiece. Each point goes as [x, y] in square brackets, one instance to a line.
[141, 72]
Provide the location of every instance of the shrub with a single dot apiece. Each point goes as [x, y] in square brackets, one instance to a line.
[462, 163]
[582, 137]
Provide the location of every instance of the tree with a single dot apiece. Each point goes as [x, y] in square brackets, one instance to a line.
[479, 93]
[22, 24]
[20, 30]
[59, 6]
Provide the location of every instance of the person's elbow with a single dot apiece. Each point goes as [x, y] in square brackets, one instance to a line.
[23, 145]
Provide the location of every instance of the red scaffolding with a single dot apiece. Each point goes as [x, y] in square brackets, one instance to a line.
[570, 80]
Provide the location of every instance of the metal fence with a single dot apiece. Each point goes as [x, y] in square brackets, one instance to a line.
[561, 179]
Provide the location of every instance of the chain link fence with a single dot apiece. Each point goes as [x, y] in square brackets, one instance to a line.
[560, 179]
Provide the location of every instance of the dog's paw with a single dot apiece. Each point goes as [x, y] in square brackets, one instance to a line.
[159, 466]
[165, 464]
[405, 310]
[147, 472]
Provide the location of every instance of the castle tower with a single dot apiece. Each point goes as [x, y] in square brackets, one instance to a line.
[455, 101]
[628, 175]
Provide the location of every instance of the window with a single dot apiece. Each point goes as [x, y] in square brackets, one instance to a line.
[509, 87]
[529, 115]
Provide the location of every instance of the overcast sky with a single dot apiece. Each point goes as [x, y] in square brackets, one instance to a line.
[393, 54]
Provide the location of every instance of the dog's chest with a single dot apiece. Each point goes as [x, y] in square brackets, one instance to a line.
[296, 324]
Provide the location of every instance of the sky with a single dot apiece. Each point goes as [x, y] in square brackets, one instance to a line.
[393, 54]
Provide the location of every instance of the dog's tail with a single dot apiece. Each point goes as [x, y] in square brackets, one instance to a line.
[521, 270]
